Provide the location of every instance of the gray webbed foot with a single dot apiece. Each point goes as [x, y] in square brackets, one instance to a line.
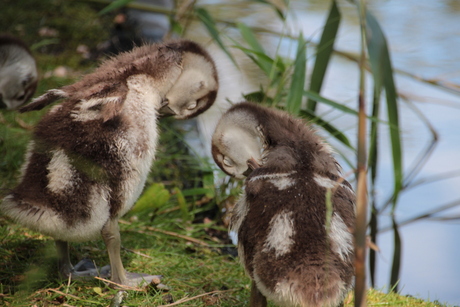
[84, 269]
[87, 268]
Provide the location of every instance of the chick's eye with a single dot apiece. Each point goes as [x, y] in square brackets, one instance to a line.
[228, 162]
[191, 106]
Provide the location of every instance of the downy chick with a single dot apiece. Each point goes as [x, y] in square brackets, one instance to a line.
[90, 155]
[291, 253]
[18, 73]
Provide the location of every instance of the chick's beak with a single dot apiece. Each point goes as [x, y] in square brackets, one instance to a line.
[247, 172]
[253, 164]
[165, 110]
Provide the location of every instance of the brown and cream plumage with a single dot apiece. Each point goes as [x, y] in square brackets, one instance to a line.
[18, 73]
[90, 155]
[292, 255]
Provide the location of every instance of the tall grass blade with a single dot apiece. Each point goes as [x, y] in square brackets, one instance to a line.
[210, 25]
[372, 167]
[383, 75]
[333, 131]
[323, 52]
[250, 38]
[114, 5]
[44, 42]
[259, 58]
[374, 135]
[395, 267]
[277, 8]
[373, 227]
[275, 69]
[335, 105]
[294, 99]
[259, 96]
[185, 212]
[263, 61]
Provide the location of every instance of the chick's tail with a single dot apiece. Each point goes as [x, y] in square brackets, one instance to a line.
[44, 100]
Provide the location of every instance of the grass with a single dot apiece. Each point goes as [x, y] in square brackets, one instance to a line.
[184, 242]
[29, 276]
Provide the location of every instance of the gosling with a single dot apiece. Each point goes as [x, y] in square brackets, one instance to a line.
[18, 73]
[90, 155]
[296, 246]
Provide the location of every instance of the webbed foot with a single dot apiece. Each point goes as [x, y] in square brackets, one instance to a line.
[84, 269]
[142, 280]
[87, 268]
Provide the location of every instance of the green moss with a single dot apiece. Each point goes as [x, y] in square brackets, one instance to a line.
[378, 298]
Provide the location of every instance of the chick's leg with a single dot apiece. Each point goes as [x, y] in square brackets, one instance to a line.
[65, 267]
[111, 236]
[82, 270]
[257, 299]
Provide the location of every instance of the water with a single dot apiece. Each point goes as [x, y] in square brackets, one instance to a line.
[424, 39]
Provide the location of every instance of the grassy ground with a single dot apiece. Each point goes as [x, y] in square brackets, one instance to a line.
[189, 269]
[181, 237]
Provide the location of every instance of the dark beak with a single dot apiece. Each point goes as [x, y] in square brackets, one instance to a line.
[247, 172]
[252, 165]
[165, 110]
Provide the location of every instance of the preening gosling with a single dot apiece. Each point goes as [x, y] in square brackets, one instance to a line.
[90, 155]
[293, 256]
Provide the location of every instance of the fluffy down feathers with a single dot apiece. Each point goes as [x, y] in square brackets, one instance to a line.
[18, 73]
[92, 152]
[292, 254]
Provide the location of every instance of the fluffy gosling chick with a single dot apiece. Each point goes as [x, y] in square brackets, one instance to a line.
[292, 255]
[90, 155]
[18, 73]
